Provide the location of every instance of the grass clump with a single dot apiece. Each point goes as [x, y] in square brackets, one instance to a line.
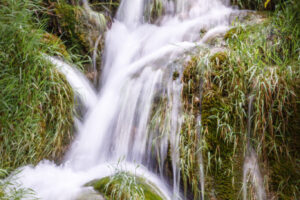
[8, 191]
[125, 186]
[257, 4]
[36, 103]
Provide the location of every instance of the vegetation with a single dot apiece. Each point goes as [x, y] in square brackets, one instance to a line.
[78, 27]
[261, 60]
[125, 186]
[257, 4]
[36, 103]
[15, 192]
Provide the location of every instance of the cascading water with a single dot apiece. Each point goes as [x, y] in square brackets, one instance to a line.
[251, 171]
[138, 67]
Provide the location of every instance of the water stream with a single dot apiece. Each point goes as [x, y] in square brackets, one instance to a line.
[139, 62]
[251, 171]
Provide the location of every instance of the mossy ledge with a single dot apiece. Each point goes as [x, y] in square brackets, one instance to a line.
[123, 186]
[261, 60]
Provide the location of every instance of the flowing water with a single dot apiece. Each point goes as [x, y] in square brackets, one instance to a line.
[139, 61]
[251, 171]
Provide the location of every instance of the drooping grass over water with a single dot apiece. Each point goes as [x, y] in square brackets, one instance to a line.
[36, 103]
[260, 60]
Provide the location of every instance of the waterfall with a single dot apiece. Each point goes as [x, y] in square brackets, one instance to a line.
[251, 169]
[138, 67]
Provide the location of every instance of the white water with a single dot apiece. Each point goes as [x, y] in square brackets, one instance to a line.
[137, 68]
[251, 171]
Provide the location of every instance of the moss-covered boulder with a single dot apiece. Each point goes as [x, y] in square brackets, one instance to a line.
[80, 26]
[123, 186]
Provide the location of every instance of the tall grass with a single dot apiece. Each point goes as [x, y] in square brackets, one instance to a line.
[36, 102]
[8, 191]
[257, 4]
[261, 60]
[123, 185]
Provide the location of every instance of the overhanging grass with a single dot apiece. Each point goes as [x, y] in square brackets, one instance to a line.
[36, 102]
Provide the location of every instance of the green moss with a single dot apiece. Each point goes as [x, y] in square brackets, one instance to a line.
[219, 58]
[70, 20]
[232, 32]
[175, 75]
[125, 186]
[79, 29]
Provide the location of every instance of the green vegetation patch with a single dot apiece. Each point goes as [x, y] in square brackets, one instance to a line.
[36, 103]
[123, 186]
[260, 60]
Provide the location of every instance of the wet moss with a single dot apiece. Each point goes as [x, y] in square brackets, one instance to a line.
[249, 66]
[137, 188]
[156, 10]
[69, 19]
[219, 59]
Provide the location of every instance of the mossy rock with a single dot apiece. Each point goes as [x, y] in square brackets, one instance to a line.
[56, 43]
[79, 27]
[123, 186]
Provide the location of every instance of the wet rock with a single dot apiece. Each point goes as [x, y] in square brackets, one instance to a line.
[92, 75]
[126, 186]
[80, 25]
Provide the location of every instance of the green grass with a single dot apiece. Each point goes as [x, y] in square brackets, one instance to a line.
[78, 28]
[125, 186]
[257, 4]
[260, 60]
[36, 103]
[15, 192]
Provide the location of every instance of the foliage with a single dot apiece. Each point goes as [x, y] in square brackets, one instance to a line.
[257, 4]
[78, 27]
[9, 191]
[125, 186]
[260, 60]
[36, 103]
